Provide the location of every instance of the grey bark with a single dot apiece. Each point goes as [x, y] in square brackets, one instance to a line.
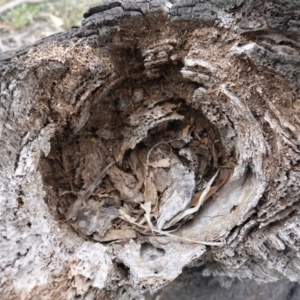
[236, 62]
[192, 285]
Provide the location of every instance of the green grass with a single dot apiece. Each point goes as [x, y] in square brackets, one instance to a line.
[21, 15]
[69, 11]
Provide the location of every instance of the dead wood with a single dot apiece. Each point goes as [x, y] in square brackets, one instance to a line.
[169, 128]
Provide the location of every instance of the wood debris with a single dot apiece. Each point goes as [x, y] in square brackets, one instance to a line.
[125, 184]
[178, 195]
[166, 162]
[89, 220]
[115, 234]
[73, 210]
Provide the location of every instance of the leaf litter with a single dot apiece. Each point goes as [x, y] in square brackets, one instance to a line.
[161, 172]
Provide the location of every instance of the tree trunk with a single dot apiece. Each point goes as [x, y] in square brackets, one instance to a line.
[157, 135]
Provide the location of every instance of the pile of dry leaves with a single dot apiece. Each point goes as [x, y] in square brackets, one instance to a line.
[162, 172]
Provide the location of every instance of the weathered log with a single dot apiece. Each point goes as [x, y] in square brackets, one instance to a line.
[105, 127]
[191, 284]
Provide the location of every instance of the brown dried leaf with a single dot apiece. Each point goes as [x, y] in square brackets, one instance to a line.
[134, 160]
[185, 130]
[137, 168]
[162, 127]
[125, 184]
[125, 216]
[112, 235]
[147, 207]
[213, 153]
[178, 195]
[192, 210]
[163, 163]
[73, 209]
[212, 190]
[150, 192]
[196, 199]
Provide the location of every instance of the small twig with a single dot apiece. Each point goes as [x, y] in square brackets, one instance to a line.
[192, 210]
[155, 237]
[148, 219]
[67, 192]
[72, 211]
[111, 196]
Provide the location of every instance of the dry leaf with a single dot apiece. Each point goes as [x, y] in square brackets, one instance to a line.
[192, 210]
[112, 235]
[178, 237]
[212, 190]
[178, 195]
[92, 165]
[73, 209]
[163, 163]
[204, 141]
[138, 169]
[125, 184]
[147, 207]
[162, 127]
[150, 192]
[196, 199]
[124, 215]
[213, 153]
[185, 131]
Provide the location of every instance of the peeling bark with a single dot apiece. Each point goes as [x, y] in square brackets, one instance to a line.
[215, 84]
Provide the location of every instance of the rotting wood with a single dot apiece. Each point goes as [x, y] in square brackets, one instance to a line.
[159, 87]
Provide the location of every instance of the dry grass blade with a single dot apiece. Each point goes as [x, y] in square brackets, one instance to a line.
[113, 235]
[125, 216]
[192, 210]
[138, 169]
[177, 237]
[147, 208]
[150, 191]
[212, 190]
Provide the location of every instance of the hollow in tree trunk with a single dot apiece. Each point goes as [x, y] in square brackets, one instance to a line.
[157, 135]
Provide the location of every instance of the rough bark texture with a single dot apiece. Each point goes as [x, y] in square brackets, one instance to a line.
[74, 102]
[192, 285]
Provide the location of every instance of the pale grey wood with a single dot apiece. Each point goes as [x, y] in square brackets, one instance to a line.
[242, 58]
